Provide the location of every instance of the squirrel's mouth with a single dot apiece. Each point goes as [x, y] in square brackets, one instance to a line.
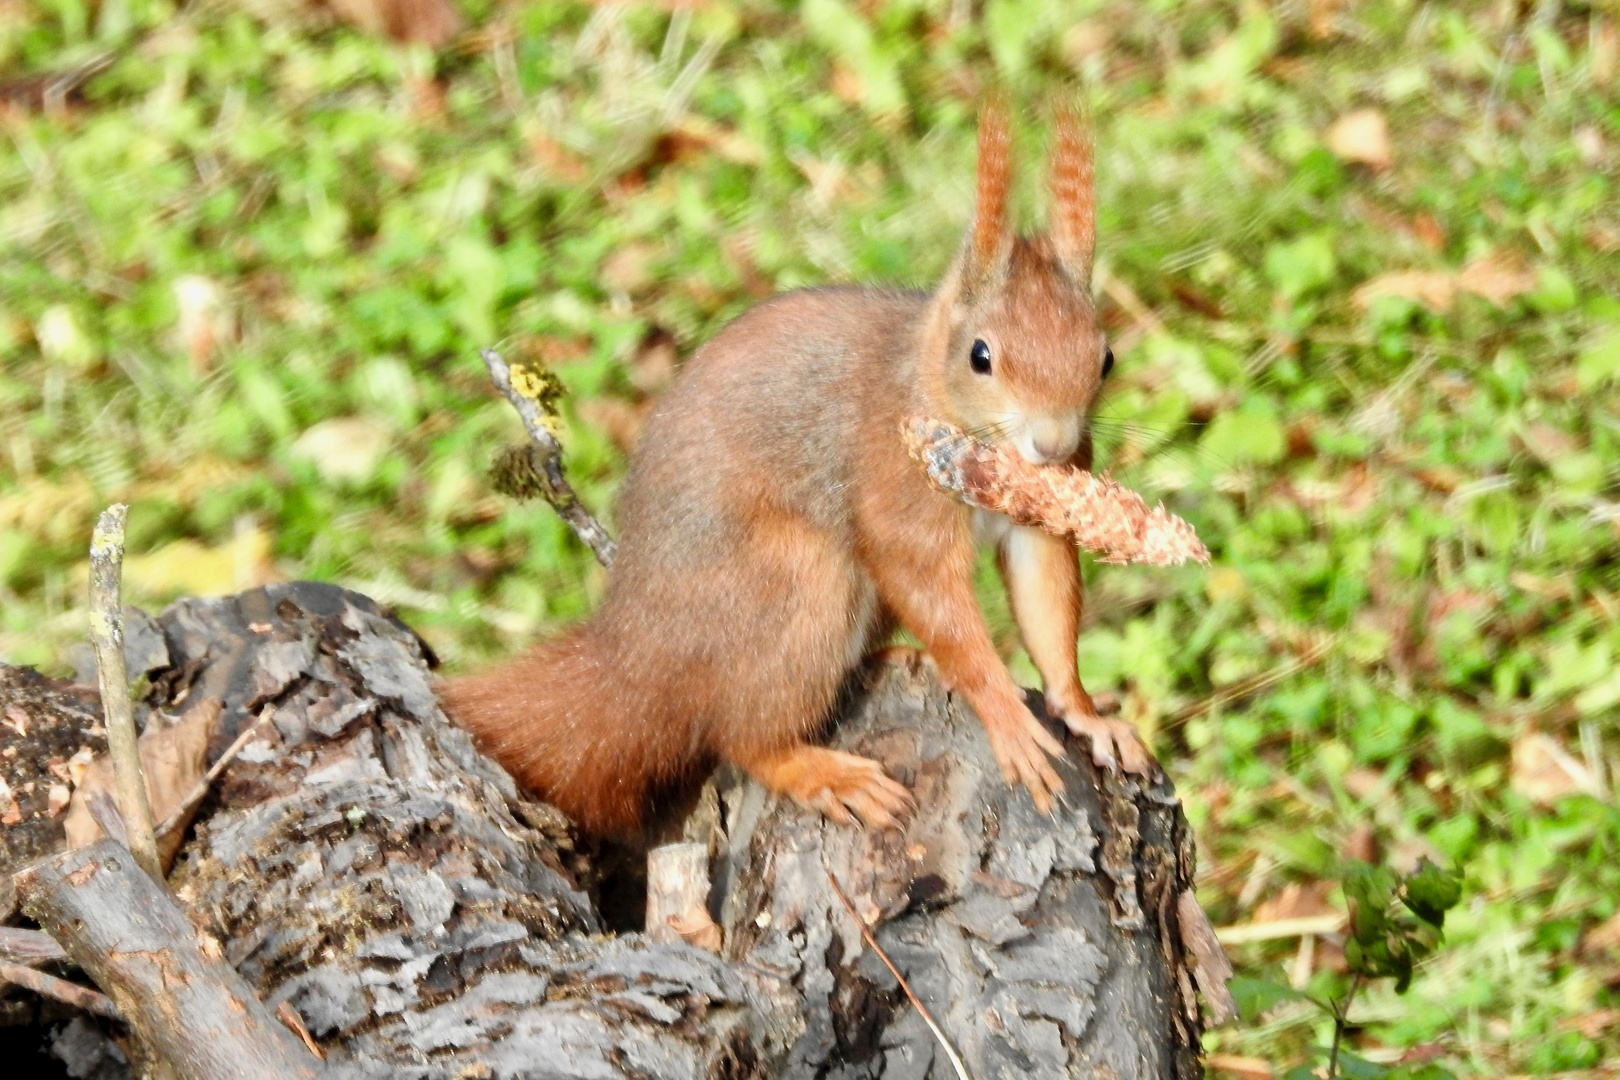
[1040, 439]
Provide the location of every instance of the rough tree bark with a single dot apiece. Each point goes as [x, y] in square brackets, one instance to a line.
[363, 864]
[1045, 947]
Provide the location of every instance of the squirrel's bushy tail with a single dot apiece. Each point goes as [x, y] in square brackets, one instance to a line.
[540, 716]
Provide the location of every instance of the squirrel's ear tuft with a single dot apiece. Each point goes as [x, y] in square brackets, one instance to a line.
[992, 229]
[1073, 217]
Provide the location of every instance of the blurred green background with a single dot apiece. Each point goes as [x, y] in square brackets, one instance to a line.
[1358, 261]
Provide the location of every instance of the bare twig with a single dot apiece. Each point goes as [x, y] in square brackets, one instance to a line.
[1312, 925]
[1341, 1020]
[522, 386]
[81, 997]
[29, 947]
[922, 1011]
[107, 635]
[179, 815]
[294, 1023]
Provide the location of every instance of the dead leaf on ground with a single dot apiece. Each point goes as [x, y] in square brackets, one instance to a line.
[1296, 901]
[1604, 937]
[344, 449]
[1544, 772]
[1498, 277]
[1592, 1024]
[697, 928]
[191, 568]
[174, 757]
[1435, 288]
[1426, 227]
[423, 22]
[206, 321]
[1548, 443]
[628, 268]
[1251, 1068]
[13, 809]
[654, 365]
[618, 419]
[1362, 136]
[556, 159]
[698, 134]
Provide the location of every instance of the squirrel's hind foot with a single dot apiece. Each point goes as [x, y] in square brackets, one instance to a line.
[841, 786]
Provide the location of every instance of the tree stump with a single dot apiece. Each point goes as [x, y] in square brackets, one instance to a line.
[1044, 947]
[363, 864]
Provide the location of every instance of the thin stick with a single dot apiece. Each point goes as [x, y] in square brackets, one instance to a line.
[545, 454]
[107, 635]
[956, 1062]
[29, 947]
[294, 1023]
[200, 790]
[81, 997]
[1341, 1020]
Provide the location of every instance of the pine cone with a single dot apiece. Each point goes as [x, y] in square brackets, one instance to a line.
[1093, 511]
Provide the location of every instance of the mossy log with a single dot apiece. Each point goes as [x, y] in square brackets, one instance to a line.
[362, 864]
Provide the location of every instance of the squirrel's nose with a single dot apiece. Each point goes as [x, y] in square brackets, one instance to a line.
[1048, 440]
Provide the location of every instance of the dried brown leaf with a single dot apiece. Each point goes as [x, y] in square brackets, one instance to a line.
[1497, 277]
[173, 759]
[696, 927]
[1545, 772]
[1362, 136]
[1435, 288]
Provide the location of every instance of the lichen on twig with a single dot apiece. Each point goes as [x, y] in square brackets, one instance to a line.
[1091, 509]
[536, 469]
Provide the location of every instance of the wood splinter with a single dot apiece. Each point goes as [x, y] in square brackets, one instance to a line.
[1092, 510]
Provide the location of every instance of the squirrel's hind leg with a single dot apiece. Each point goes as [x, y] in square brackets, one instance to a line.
[812, 615]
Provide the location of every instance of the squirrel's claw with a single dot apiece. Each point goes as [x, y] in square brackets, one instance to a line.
[1021, 749]
[1115, 744]
[844, 787]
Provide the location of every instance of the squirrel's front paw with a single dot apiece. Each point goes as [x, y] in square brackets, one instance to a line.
[1115, 744]
[1021, 746]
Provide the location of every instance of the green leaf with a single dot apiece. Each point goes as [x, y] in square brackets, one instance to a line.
[1359, 1068]
[1600, 360]
[1248, 436]
[1301, 266]
[1430, 892]
[1255, 997]
[1369, 890]
[1430, 1071]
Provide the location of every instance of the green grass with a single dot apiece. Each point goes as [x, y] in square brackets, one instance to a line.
[1414, 509]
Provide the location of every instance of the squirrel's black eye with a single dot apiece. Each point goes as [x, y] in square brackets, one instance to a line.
[1108, 361]
[980, 358]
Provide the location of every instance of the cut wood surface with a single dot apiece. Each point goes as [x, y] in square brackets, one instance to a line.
[362, 865]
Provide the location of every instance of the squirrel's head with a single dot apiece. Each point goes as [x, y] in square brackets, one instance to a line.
[1014, 353]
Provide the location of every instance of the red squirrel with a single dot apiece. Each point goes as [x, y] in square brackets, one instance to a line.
[774, 533]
